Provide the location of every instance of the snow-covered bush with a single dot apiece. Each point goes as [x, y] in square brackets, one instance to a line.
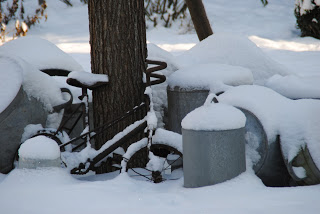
[164, 12]
[307, 13]
[24, 17]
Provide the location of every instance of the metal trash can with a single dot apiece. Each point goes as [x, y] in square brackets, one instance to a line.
[213, 145]
[22, 111]
[180, 102]
[189, 87]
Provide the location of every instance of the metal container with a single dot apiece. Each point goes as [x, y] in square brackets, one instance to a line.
[180, 103]
[211, 157]
[23, 110]
[28, 163]
[269, 167]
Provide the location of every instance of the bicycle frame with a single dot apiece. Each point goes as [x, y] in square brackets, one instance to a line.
[90, 134]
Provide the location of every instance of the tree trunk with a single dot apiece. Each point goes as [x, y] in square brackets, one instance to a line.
[118, 49]
[199, 18]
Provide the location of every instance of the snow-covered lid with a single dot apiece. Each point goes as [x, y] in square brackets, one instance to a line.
[39, 147]
[10, 81]
[296, 87]
[210, 76]
[233, 49]
[216, 116]
[40, 53]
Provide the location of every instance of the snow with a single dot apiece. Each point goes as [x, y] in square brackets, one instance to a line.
[294, 120]
[233, 50]
[41, 86]
[169, 138]
[306, 5]
[17, 72]
[151, 117]
[214, 117]
[296, 87]
[39, 147]
[299, 171]
[272, 29]
[10, 79]
[210, 76]
[88, 78]
[40, 53]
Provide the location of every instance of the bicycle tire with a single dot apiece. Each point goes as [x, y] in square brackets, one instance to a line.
[160, 150]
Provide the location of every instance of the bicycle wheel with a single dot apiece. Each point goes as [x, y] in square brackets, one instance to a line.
[164, 162]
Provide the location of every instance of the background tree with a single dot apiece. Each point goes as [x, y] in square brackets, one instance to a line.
[199, 18]
[118, 49]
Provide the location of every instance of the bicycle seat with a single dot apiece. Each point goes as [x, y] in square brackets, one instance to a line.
[87, 80]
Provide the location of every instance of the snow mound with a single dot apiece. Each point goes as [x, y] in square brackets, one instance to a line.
[40, 53]
[39, 147]
[296, 121]
[10, 81]
[233, 50]
[215, 117]
[296, 87]
[35, 83]
[209, 76]
[157, 53]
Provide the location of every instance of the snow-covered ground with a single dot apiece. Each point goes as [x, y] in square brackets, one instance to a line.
[282, 51]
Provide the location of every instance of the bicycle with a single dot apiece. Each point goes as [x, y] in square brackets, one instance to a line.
[163, 152]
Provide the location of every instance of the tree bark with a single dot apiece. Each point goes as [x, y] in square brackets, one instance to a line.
[199, 18]
[118, 49]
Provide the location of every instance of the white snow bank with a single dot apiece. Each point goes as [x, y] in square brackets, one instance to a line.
[35, 83]
[296, 87]
[40, 147]
[210, 76]
[38, 179]
[296, 121]
[10, 81]
[233, 50]
[215, 116]
[40, 86]
[40, 53]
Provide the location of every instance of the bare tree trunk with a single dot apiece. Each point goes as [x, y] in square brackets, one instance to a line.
[118, 49]
[199, 18]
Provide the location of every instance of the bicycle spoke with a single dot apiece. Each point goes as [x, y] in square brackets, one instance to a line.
[141, 174]
[170, 164]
